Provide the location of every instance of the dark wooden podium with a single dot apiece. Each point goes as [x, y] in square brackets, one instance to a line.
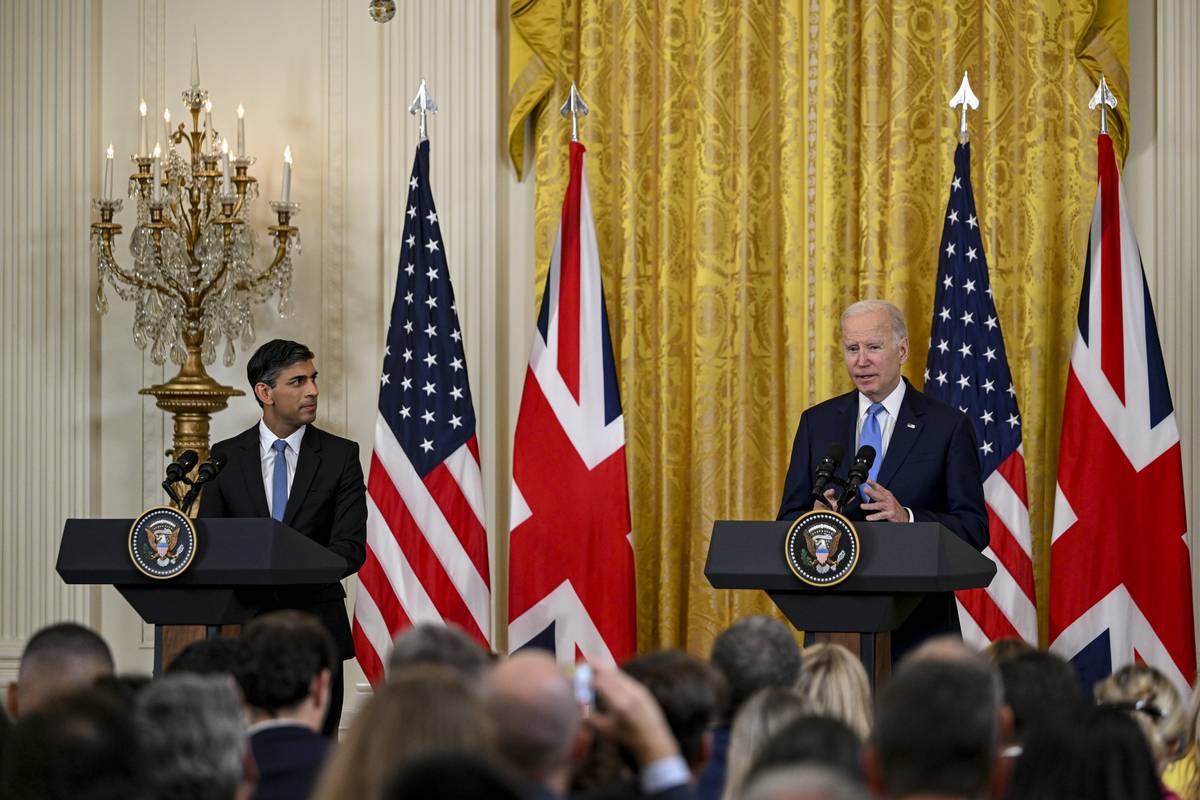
[899, 564]
[237, 564]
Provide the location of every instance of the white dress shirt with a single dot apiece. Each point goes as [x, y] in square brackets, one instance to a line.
[266, 454]
[887, 423]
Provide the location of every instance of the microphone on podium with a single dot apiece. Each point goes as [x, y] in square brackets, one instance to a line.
[177, 471]
[208, 470]
[825, 470]
[859, 471]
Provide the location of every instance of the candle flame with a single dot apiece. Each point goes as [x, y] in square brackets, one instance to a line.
[142, 108]
[167, 116]
[225, 146]
[287, 154]
[157, 151]
[110, 150]
[241, 111]
[208, 106]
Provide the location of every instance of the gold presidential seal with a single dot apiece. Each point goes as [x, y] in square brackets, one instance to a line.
[821, 548]
[162, 542]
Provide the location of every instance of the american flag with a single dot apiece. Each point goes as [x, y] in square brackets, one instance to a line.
[1120, 583]
[571, 579]
[967, 368]
[427, 550]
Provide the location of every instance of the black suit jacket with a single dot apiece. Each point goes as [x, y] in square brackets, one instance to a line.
[931, 466]
[327, 504]
[289, 758]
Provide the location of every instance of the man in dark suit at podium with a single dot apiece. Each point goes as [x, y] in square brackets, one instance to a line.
[926, 468]
[287, 468]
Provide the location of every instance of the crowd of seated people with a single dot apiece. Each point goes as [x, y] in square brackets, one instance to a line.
[760, 719]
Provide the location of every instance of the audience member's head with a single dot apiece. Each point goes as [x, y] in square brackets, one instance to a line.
[764, 714]
[690, 693]
[1038, 686]
[421, 711]
[1097, 753]
[943, 648]
[285, 663]
[755, 653]
[193, 730]
[538, 723]
[1153, 701]
[58, 659]
[811, 741]
[834, 684]
[439, 645]
[937, 729]
[450, 776]
[809, 782]
[77, 746]
[1000, 650]
[123, 688]
[215, 656]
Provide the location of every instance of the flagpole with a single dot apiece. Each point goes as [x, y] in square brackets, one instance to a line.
[1103, 97]
[966, 98]
[574, 107]
[421, 105]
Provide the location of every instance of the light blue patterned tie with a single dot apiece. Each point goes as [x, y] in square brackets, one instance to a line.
[872, 435]
[279, 491]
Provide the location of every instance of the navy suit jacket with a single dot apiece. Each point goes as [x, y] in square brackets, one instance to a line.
[931, 466]
[327, 504]
[289, 758]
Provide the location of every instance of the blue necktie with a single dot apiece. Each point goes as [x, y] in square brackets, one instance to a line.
[872, 435]
[279, 481]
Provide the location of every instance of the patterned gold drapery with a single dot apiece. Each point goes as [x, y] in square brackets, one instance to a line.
[756, 166]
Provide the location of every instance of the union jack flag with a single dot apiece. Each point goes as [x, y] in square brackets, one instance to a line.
[1120, 584]
[967, 367]
[427, 549]
[571, 577]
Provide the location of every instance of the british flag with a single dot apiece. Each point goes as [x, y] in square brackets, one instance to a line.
[427, 549]
[1120, 584]
[571, 574]
[968, 368]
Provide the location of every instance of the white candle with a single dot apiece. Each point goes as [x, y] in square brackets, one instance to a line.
[167, 125]
[108, 164]
[286, 195]
[209, 145]
[241, 132]
[143, 145]
[195, 62]
[226, 185]
[156, 186]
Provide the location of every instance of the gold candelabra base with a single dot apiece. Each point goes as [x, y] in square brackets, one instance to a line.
[191, 397]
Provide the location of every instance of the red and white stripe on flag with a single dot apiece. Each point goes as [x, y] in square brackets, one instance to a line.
[1120, 582]
[571, 570]
[427, 549]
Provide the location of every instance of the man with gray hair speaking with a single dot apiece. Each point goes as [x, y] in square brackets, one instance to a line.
[926, 468]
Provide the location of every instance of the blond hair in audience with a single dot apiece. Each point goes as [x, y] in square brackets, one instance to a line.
[834, 684]
[767, 711]
[420, 711]
[1152, 700]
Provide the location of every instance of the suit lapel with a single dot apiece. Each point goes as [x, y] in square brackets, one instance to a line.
[306, 470]
[848, 420]
[250, 464]
[904, 434]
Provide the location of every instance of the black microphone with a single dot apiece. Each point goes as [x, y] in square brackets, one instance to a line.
[208, 470]
[859, 471]
[825, 470]
[179, 468]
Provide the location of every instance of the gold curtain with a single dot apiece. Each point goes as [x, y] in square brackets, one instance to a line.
[755, 167]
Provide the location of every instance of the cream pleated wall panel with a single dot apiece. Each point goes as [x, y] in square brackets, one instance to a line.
[46, 323]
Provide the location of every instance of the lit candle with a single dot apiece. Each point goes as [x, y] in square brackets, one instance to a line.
[195, 62]
[209, 144]
[143, 144]
[108, 164]
[156, 186]
[286, 195]
[241, 133]
[167, 125]
[226, 186]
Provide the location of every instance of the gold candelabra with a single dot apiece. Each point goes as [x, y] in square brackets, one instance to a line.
[192, 282]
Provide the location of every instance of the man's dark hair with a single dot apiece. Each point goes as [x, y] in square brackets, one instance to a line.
[1038, 686]
[216, 656]
[65, 641]
[446, 645]
[690, 693]
[280, 655]
[937, 727]
[450, 776]
[752, 654]
[271, 359]
[77, 746]
[1095, 752]
[811, 741]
